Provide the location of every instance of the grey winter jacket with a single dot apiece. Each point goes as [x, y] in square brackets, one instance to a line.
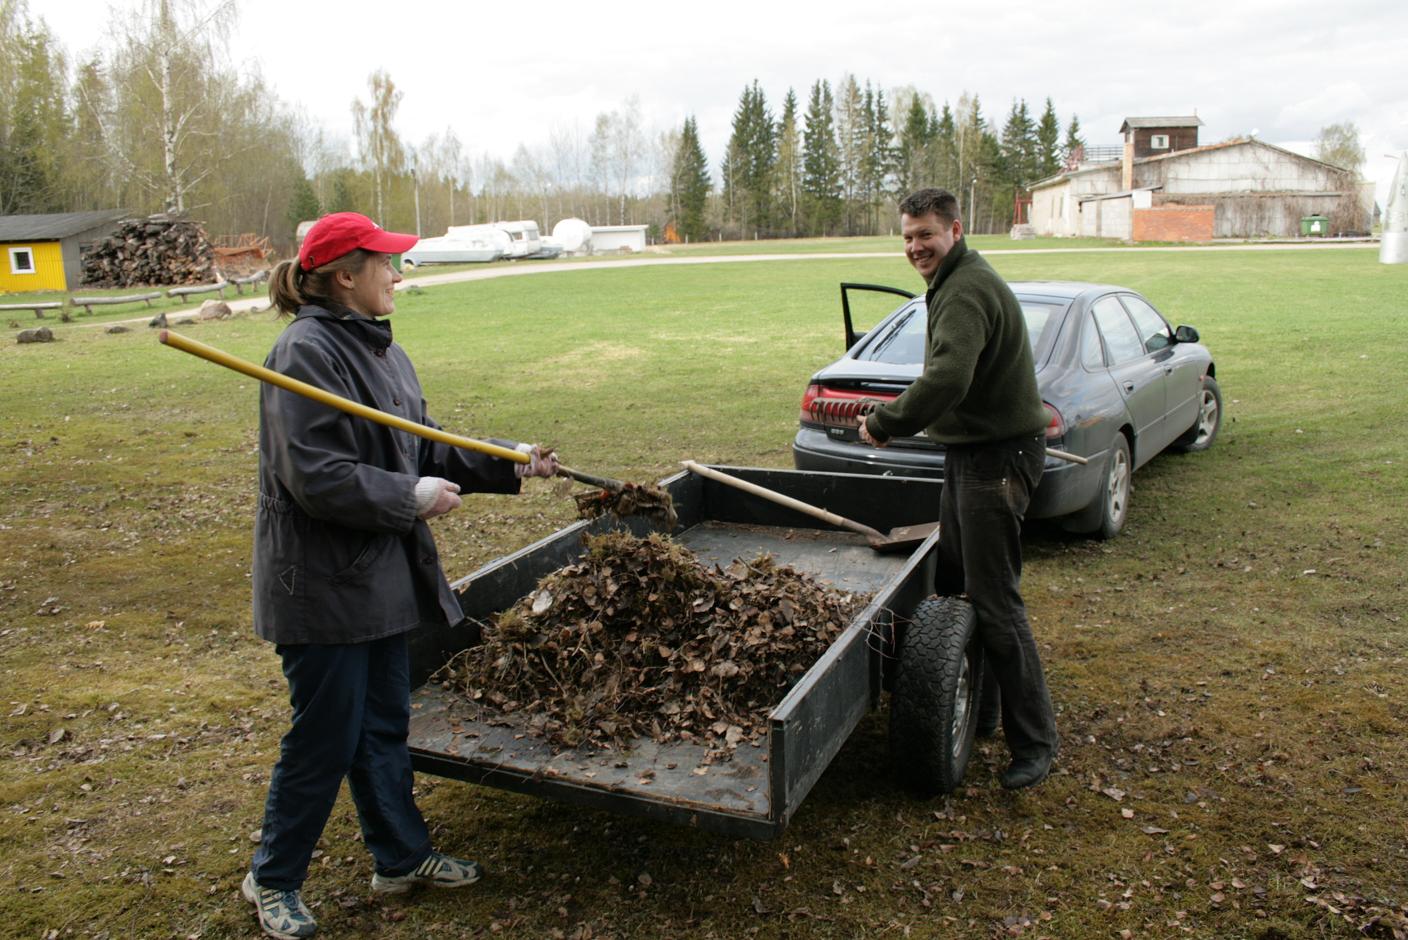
[339, 555]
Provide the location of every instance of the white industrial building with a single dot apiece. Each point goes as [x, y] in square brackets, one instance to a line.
[1166, 187]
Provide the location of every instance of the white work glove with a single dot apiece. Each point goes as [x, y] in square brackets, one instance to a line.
[435, 497]
[541, 465]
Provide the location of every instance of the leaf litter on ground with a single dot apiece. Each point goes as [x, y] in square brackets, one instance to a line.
[640, 637]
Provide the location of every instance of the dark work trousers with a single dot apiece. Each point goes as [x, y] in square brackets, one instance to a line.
[351, 717]
[986, 491]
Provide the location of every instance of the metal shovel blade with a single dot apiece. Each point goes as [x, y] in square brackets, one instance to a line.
[903, 537]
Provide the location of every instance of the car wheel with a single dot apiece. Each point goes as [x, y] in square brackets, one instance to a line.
[1114, 490]
[1204, 430]
[937, 689]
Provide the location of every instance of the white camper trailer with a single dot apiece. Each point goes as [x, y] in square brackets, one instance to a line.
[524, 240]
[460, 244]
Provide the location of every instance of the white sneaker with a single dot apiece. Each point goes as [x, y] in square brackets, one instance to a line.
[438, 871]
[282, 914]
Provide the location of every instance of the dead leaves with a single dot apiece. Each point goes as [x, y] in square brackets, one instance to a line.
[640, 638]
[633, 499]
[1382, 919]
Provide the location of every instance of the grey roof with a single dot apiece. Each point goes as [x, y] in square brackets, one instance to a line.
[1191, 120]
[55, 226]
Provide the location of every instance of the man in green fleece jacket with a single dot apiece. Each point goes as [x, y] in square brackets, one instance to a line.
[977, 396]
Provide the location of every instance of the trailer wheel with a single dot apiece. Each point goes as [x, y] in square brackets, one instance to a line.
[934, 706]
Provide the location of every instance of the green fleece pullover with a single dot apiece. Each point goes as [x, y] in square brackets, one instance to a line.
[978, 383]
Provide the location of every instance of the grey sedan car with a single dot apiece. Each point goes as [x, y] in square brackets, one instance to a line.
[1119, 384]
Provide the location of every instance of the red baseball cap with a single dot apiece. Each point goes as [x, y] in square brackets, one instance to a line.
[335, 235]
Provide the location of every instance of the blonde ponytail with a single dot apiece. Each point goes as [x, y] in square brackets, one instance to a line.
[290, 287]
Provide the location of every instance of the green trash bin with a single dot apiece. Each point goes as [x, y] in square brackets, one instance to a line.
[1314, 226]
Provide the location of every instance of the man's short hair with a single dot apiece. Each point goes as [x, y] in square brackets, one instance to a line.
[940, 202]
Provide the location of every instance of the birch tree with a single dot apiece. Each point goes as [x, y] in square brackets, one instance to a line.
[377, 141]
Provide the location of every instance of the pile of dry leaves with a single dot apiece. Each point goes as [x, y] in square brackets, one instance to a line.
[641, 638]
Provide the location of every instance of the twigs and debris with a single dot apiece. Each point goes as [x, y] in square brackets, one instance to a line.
[632, 499]
[641, 638]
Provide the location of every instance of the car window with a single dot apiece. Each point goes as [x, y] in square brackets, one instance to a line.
[1121, 338]
[1092, 354]
[1043, 322]
[902, 340]
[1153, 328]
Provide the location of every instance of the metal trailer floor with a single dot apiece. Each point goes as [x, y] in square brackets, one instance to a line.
[660, 779]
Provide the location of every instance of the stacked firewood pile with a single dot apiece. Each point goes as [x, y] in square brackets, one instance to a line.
[641, 638]
[155, 250]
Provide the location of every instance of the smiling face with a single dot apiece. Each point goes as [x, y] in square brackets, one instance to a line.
[928, 239]
[370, 291]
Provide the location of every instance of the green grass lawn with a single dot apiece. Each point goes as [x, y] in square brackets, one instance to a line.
[1228, 672]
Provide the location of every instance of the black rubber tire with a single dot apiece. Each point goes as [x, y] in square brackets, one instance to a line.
[934, 706]
[1204, 430]
[1115, 489]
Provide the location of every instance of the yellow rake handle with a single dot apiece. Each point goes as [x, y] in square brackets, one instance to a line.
[221, 358]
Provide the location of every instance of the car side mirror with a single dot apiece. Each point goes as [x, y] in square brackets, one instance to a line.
[1185, 334]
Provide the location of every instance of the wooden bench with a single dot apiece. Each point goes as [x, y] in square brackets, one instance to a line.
[181, 292]
[88, 303]
[37, 308]
[250, 279]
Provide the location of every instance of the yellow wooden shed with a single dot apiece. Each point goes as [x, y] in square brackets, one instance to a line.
[43, 252]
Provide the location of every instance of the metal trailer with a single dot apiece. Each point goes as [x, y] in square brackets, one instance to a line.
[758, 791]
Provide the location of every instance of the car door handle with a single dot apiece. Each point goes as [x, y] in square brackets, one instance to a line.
[1129, 386]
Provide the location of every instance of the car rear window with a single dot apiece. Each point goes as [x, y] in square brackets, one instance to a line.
[900, 341]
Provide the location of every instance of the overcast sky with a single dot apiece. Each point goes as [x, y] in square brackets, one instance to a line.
[509, 72]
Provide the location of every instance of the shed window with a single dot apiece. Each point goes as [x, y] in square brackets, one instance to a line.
[21, 261]
[1158, 141]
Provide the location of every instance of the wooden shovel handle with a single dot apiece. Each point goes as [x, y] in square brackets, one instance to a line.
[1063, 455]
[221, 358]
[605, 483]
[815, 512]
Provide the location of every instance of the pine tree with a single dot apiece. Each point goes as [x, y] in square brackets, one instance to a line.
[304, 205]
[789, 167]
[1048, 140]
[690, 184]
[35, 125]
[991, 198]
[821, 173]
[942, 166]
[918, 139]
[752, 155]
[1018, 165]
[1074, 145]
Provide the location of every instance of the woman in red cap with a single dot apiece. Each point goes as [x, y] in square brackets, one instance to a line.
[345, 566]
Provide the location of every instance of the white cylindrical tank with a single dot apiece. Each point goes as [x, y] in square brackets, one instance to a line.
[575, 236]
[1393, 246]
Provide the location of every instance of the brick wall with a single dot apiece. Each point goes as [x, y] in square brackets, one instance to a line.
[1173, 224]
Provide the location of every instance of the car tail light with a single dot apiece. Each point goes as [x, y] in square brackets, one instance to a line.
[1055, 424]
[832, 407]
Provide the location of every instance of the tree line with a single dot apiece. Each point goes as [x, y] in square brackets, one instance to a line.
[159, 120]
[838, 166]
